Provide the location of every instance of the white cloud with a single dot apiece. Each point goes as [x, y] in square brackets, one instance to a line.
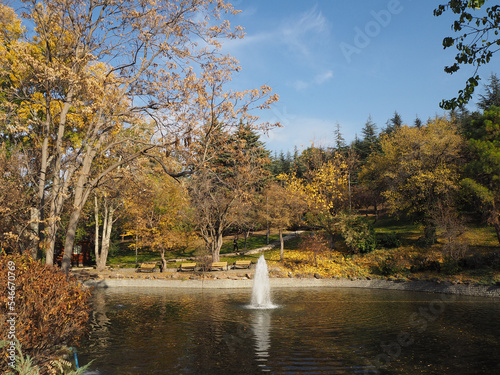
[323, 77]
[300, 85]
[301, 132]
[298, 32]
[319, 79]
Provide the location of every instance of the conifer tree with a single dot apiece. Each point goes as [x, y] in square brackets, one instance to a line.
[393, 123]
[370, 142]
[418, 122]
[492, 94]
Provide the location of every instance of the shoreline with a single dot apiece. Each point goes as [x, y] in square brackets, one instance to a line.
[415, 286]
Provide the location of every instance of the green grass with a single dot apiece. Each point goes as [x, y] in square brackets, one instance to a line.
[253, 242]
[399, 261]
[124, 254]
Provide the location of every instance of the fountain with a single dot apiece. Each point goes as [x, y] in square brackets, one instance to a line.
[261, 292]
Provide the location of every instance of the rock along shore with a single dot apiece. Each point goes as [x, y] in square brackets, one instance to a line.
[418, 286]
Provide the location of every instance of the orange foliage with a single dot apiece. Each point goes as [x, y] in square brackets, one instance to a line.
[50, 308]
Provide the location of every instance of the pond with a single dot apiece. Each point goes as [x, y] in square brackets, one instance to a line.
[311, 331]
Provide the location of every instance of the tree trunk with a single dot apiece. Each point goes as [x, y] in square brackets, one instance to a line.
[81, 193]
[96, 240]
[106, 236]
[282, 245]
[100, 266]
[497, 230]
[42, 181]
[217, 244]
[247, 233]
[70, 239]
[59, 183]
[163, 260]
[495, 221]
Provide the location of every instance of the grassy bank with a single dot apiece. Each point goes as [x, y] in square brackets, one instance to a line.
[400, 255]
[124, 255]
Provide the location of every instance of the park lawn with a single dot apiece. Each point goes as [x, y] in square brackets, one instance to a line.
[408, 261]
[124, 255]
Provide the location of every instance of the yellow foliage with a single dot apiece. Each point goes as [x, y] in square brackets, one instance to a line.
[331, 264]
[156, 211]
[417, 166]
[327, 189]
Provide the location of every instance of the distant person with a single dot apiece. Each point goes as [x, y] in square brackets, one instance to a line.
[235, 245]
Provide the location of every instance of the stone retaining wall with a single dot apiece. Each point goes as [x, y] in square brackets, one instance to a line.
[419, 286]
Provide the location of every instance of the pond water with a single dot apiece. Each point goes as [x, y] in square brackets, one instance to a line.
[312, 331]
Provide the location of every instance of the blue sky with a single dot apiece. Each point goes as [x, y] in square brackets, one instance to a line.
[342, 61]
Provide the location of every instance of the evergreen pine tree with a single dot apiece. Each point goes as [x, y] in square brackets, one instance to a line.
[393, 123]
[418, 122]
[340, 144]
[369, 143]
[492, 94]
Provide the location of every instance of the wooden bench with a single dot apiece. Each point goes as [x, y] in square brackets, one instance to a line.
[242, 264]
[187, 267]
[218, 266]
[146, 267]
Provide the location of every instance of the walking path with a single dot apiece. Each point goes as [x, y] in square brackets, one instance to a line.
[271, 246]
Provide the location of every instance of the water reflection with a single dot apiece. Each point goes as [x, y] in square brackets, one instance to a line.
[329, 331]
[261, 326]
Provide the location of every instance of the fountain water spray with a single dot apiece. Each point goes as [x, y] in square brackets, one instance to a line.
[261, 292]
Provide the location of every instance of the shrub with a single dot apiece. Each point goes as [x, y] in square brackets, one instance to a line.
[314, 245]
[450, 266]
[388, 240]
[51, 307]
[24, 364]
[392, 265]
[424, 263]
[358, 233]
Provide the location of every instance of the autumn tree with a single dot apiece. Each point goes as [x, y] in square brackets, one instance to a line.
[417, 168]
[17, 224]
[95, 72]
[280, 208]
[225, 188]
[325, 191]
[156, 209]
[108, 199]
[476, 43]
[17, 230]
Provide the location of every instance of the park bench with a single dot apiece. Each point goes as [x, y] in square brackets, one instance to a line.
[215, 266]
[187, 267]
[242, 264]
[146, 267]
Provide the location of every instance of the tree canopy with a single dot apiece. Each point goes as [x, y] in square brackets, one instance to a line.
[477, 41]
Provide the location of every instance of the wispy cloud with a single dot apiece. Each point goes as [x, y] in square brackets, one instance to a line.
[298, 32]
[307, 131]
[319, 79]
[323, 77]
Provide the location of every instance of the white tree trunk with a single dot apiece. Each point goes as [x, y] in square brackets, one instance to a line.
[282, 245]
[107, 225]
[96, 215]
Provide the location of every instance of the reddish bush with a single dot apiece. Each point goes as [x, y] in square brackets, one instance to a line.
[41, 307]
[314, 244]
